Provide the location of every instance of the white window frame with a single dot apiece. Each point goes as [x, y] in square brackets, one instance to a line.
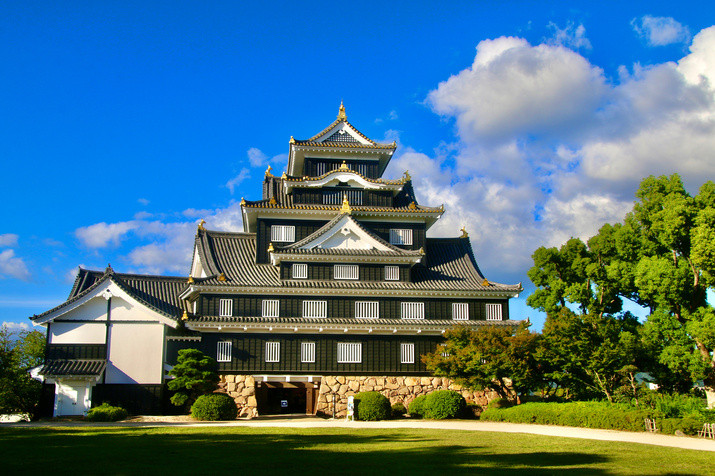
[407, 353]
[367, 309]
[349, 352]
[307, 352]
[273, 351]
[225, 307]
[392, 273]
[223, 351]
[299, 271]
[412, 310]
[346, 271]
[401, 236]
[270, 308]
[494, 312]
[283, 233]
[460, 311]
[315, 309]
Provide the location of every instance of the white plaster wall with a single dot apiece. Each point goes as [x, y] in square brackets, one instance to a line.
[123, 311]
[135, 353]
[93, 310]
[77, 332]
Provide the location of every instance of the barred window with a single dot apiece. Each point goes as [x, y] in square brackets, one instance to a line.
[349, 352]
[407, 353]
[346, 271]
[270, 308]
[283, 233]
[225, 307]
[299, 271]
[400, 236]
[460, 311]
[223, 351]
[392, 273]
[307, 352]
[413, 310]
[494, 312]
[367, 309]
[273, 351]
[315, 308]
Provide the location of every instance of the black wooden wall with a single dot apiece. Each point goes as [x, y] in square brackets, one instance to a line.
[320, 271]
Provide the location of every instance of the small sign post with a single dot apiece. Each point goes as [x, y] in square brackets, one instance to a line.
[351, 409]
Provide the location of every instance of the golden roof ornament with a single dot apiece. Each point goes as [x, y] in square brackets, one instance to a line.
[270, 247]
[243, 201]
[185, 317]
[464, 232]
[407, 175]
[268, 171]
[291, 141]
[346, 205]
[412, 205]
[486, 282]
[344, 166]
[222, 277]
[284, 176]
[341, 113]
[272, 201]
[201, 225]
[190, 280]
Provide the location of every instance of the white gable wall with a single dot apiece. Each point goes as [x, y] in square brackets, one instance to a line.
[136, 353]
[78, 332]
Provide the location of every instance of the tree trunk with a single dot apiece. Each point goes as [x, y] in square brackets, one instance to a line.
[710, 395]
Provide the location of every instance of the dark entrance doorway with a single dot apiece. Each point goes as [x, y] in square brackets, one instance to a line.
[275, 398]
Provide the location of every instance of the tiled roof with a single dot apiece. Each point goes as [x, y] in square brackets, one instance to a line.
[347, 145]
[340, 119]
[450, 266]
[160, 293]
[355, 208]
[73, 367]
[338, 170]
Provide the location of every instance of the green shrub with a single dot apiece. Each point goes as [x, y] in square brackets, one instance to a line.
[444, 404]
[398, 410]
[371, 406]
[473, 411]
[106, 412]
[214, 407]
[417, 407]
[499, 403]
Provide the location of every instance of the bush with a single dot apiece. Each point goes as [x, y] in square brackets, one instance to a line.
[106, 412]
[214, 407]
[371, 406]
[417, 407]
[499, 403]
[444, 404]
[473, 411]
[398, 410]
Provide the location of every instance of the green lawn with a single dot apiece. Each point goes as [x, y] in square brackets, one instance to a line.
[333, 451]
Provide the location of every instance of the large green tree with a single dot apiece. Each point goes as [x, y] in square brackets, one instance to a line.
[194, 375]
[19, 353]
[662, 256]
[497, 358]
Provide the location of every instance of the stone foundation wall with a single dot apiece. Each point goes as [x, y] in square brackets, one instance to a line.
[242, 388]
[397, 389]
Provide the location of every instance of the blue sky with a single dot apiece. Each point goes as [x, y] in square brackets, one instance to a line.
[124, 123]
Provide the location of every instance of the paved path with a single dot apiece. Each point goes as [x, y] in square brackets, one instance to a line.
[467, 425]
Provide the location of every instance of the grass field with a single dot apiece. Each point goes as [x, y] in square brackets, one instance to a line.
[334, 451]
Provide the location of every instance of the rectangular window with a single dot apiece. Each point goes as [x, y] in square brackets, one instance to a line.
[407, 353]
[494, 312]
[269, 308]
[413, 310]
[460, 311]
[273, 351]
[367, 309]
[307, 352]
[283, 233]
[345, 271]
[392, 273]
[223, 351]
[299, 271]
[315, 309]
[225, 307]
[400, 236]
[349, 352]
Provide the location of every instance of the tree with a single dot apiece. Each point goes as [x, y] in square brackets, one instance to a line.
[194, 375]
[662, 257]
[497, 358]
[19, 353]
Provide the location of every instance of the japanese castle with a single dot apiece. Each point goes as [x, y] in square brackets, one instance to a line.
[332, 288]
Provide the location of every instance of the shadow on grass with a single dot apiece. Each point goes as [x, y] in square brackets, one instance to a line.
[271, 451]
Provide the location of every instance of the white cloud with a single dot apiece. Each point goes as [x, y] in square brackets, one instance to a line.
[242, 176]
[16, 326]
[571, 36]
[256, 157]
[660, 31]
[101, 235]
[8, 240]
[13, 266]
[143, 201]
[143, 215]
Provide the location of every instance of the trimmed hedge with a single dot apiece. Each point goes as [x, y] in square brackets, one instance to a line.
[106, 412]
[590, 415]
[398, 410]
[444, 404]
[417, 407]
[214, 407]
[371, 406]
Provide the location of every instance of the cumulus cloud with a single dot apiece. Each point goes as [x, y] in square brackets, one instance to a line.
[143, 201]
[242, 176]
[13, 266]
[256, 157]
[660, 31]
[8, 240]
[571, 36]
[15, 326]
[101, 235]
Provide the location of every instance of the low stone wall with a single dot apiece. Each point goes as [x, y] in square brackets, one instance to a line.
[242, 388]
[335, 390]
